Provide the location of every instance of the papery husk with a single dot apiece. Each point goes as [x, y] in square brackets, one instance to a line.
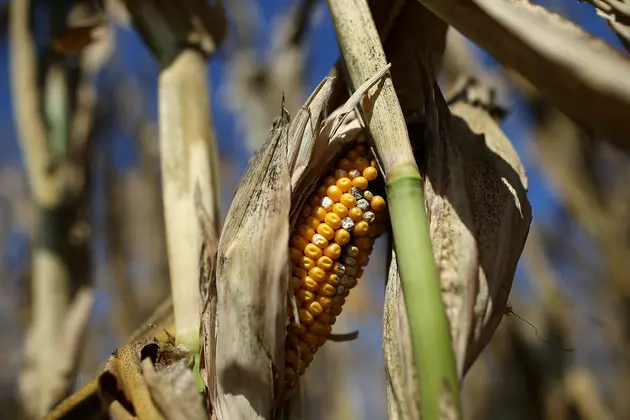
[479, 217]
[130, 387]
[251, 269]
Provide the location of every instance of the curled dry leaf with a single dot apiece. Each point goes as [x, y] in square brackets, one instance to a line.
[479, 217]
[124, 389]
[580, 74]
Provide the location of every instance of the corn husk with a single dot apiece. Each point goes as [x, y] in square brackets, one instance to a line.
[479, 217]
[244, 345]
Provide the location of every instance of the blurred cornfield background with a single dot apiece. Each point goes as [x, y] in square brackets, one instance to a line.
[572, 283]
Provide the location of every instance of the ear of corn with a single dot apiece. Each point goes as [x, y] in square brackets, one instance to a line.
[329, 246]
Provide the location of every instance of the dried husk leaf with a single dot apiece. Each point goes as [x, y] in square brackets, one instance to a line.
[485, 218]
[401, 383]
[497, 189]
[450, 220]
[479, 217]
[174, 390]
[251, 273]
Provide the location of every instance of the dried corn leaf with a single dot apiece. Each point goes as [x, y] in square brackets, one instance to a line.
[582, 75]
[251, 273]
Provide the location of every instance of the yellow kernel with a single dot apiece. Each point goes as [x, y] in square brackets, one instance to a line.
[319, 213]
[318, 328]
[299, 329]
[333, 220]
[340, 210]
[326, 289]
[342, 236]
[294, 283]
[298, 243]
[325, 301]
[306, 263]
[309, 283]
[298, 272]
[345, 164]
[329, 180]
[370, 173]
[363, 259]
[361, 163]
[360, 182]
[304, 296]
[340, 173]
[312, 222]
[335, 310]
[352, 251]
[373, 164]
[326, 231]
[310, 338]
[344, 184]
[364, 244]
[320, 241]
[352, 156]
[312, 251]
[325, 263]
[333, 251]
[334, 193]
[321, 192]
[291, 357]
[295, 255]
[361, 228]
[361, 149]
[317, 274]
[313, 200]
[326, 319]
[377, 203]
[348, 200]
[305, 317]
[314, 308]
[355, 214]
[358, 273]
[321, 340]
[333, 279]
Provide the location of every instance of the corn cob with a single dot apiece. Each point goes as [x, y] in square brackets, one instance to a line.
[330, 245]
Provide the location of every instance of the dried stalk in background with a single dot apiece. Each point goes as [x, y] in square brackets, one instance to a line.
[255, 86]
[188, 149]
[56, 156]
